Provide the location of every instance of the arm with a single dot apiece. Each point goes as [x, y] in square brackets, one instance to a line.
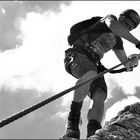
[121, 55]
[119, 30]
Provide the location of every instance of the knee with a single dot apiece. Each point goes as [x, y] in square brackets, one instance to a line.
[82, 79]
[88, 75]
[81, 92]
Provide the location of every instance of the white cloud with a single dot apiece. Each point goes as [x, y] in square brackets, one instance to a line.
[38, 62]
[118, 106]
[62, 115]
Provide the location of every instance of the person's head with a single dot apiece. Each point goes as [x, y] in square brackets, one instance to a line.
[129, 19]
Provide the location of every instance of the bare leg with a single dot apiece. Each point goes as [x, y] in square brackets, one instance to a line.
[96, 111]
[81, 92]
[76, 105]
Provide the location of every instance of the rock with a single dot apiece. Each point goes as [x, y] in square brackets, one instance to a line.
[125, 126]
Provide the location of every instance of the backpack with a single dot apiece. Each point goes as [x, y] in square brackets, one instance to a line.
[80, 28]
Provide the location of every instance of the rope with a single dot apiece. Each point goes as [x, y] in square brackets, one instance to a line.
[39, 105]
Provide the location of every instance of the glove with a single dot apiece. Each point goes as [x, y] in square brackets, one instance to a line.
[132, 63]
[138, 46]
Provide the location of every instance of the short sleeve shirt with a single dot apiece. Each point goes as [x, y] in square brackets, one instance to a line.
[106, 40]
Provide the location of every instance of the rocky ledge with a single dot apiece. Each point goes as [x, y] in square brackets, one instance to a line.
[125, 126]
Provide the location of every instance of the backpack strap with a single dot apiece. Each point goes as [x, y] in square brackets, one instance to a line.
[75, 36]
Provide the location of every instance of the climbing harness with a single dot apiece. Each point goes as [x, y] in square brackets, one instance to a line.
[71, 53]
[26, 111]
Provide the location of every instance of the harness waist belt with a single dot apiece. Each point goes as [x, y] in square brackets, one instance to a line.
[90, 53]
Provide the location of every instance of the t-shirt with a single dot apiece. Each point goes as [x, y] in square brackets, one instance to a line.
[104, 40]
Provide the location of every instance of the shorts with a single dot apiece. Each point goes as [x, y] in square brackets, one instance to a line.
[80, 66]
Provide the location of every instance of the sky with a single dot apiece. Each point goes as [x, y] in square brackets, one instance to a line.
[33, 38]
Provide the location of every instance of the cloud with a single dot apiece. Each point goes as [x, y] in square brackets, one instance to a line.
[39, 58]
[37, 124]
[32, 46]
[31, 69]
[137, 91]
[119, 105]
[32, 66]
[118, 99]
[41, 6]
[11, 14]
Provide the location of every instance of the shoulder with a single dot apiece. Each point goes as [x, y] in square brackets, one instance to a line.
[111, 17]
[111, 21]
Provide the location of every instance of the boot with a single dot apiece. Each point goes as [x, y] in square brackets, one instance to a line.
[72, 130]
[92, 126]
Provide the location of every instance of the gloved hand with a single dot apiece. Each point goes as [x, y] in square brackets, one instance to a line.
[133, 62]
[138, 46]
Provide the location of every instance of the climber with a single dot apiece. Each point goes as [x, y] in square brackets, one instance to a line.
[82, 60]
